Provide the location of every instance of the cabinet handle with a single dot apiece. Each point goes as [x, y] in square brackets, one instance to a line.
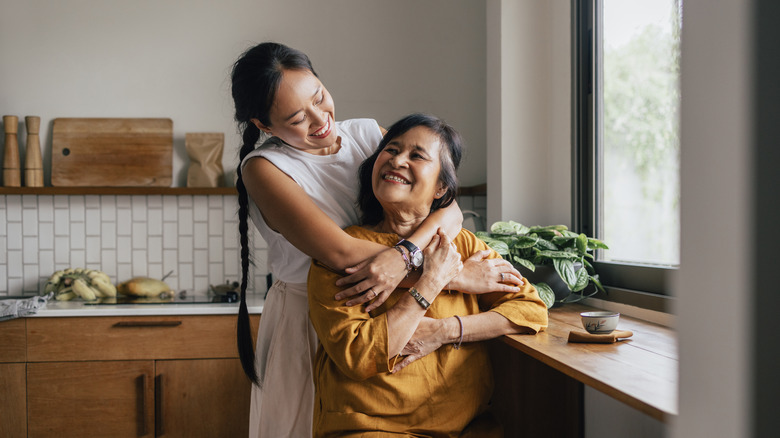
[159, 406]
[142, 404]
[125, 324]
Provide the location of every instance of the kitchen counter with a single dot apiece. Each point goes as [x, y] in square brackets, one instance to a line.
[57, 309]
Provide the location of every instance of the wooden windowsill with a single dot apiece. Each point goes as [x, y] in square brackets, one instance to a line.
[117, 191]
[640, 371]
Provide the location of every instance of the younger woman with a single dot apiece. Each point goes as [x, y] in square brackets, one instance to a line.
[302, 183]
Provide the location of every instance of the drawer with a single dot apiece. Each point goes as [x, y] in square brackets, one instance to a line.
[131, 338]
[12, 341]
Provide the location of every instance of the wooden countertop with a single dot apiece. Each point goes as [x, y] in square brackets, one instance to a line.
[641, 371]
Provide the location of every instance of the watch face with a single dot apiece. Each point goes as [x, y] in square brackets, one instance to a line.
[417, 259]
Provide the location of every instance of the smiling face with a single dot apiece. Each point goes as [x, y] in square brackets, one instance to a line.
[302, 114]
[405, 177]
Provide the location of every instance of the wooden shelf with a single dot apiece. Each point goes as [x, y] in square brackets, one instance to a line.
[480, 189]
[117, 191]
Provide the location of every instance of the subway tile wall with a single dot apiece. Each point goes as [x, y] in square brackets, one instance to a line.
[196, 237]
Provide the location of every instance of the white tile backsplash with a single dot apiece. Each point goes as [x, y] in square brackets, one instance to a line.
[93, 221]
[14, 235]
[76, 208]
[61, 222]
[77, 235]
[200, 235]
[185, 249]
[14, 208]
[125, 236]
[61, 251]
[45, 208]
[155, 221]
[29, 201]
[139, 235]
[29, 222]
[29, 257]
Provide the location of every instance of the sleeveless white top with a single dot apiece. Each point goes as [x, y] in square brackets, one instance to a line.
[330, 180]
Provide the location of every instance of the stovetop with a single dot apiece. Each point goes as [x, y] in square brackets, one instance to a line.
[178, 298]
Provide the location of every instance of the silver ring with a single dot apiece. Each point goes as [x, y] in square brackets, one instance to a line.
[502, 276]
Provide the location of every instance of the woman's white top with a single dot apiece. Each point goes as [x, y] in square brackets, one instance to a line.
[330, 180]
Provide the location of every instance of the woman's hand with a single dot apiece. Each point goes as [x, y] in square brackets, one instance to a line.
[374, 279]
[482, 275]
[441, 262]
[430, 335]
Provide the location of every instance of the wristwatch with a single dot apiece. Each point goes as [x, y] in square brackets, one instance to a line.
[415, 255]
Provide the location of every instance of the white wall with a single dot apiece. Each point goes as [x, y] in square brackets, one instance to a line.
[172, 58]
[529, 111]
[715, 282]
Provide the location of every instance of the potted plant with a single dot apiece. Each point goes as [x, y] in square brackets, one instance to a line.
[554, 259]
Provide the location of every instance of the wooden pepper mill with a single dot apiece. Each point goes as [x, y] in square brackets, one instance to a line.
[33, 164]
[11, 174]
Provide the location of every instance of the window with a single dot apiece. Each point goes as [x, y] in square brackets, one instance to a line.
[626, 123]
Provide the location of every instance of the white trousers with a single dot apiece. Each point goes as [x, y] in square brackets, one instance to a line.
[283, 404]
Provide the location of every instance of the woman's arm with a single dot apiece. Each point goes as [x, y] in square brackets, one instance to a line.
[508, 313]
[288, 210]
[441, 263]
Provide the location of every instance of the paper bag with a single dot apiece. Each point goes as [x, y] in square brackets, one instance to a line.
[205, 152]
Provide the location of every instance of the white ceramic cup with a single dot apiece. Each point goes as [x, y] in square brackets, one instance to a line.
[600, 323]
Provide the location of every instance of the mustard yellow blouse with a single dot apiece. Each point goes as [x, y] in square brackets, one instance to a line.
[437, 395]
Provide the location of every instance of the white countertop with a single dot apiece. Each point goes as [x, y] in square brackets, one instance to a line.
[56, 309]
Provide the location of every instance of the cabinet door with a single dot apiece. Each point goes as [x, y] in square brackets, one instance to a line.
[90, 399]
[13, 400]
[202, 398]
[13, 340]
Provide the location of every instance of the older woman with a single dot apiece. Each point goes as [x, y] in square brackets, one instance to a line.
[391, 371]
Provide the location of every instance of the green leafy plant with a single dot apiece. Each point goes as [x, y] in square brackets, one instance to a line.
[529, 247]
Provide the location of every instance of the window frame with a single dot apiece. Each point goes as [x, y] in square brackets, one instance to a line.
[646, 286]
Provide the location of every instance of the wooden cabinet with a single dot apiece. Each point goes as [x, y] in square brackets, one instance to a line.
[13, 391]
[166, 376]
[217, 406]
[13, 399]
[91, 399]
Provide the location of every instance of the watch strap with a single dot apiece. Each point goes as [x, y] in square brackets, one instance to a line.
[413, 251]
[419, 298]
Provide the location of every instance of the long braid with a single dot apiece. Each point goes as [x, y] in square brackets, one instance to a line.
[246, 351]
[255, 79]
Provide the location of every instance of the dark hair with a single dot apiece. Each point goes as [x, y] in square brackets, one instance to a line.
[449, 157]
[255, 79]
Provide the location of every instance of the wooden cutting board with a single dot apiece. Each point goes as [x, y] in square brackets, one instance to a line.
[101, 152]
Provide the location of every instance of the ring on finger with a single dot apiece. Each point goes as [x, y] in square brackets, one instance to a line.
[502, 276]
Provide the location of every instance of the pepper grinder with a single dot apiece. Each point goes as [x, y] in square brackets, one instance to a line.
[11, 174]
[33, 165]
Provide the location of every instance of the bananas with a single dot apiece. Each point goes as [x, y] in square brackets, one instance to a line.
[144, 287]
[83, 283]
